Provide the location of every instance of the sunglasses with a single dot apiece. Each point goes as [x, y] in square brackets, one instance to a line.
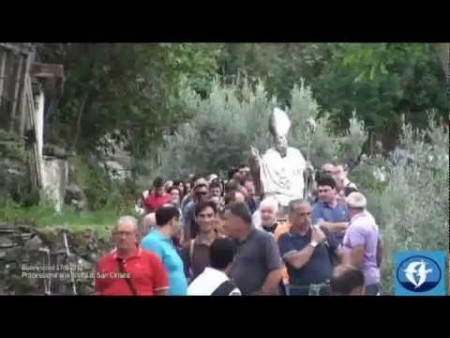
[199, 193]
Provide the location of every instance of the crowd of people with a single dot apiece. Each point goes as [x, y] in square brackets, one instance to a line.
[213, 236]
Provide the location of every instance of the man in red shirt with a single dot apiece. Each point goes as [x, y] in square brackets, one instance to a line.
[158, 197]
[129, 269]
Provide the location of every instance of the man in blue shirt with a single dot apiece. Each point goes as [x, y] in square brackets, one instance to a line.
[307, 251]
[327, 211]
[159, 241]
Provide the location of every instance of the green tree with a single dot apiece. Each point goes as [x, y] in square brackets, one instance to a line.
[127, 91]
[382, 82]
[379, 82]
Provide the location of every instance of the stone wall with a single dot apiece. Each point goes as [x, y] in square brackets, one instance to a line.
[52, 261]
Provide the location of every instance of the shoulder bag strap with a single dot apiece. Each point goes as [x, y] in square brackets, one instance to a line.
[224, 289]
[127, 280]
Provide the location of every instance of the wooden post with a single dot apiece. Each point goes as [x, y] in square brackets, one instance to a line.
[17, 86]
[23, 97]
[32, 114]
[30, 122]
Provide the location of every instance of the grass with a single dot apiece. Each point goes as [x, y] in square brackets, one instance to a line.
[99, 220]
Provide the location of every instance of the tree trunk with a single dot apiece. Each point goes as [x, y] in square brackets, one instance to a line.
[444, 57]
[79, 117]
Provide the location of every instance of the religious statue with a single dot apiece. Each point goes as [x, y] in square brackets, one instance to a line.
[282, 169]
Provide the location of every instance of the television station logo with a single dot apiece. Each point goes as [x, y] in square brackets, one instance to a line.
[420, 273]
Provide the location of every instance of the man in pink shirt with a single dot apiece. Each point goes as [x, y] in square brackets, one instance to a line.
[362, 242]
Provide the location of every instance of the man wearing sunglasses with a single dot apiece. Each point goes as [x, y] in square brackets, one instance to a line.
[190, 226]
[307, 251]
[328, 169]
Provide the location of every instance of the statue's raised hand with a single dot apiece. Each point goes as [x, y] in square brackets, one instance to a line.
[309, 166]
[255, 152]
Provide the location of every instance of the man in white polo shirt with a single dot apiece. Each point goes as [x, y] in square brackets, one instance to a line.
[214, 280]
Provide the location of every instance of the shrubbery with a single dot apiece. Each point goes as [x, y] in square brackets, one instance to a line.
[236, 116]
[15, 186]
[101, 190]
[412, 208]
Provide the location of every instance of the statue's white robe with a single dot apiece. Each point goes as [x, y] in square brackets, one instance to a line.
[282, 177]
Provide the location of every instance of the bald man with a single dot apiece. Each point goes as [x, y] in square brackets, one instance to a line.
[147, 223]
[129, 269]
[347, 281]
[328, 169]
[362, 241]
[307, 251]
[265, 217]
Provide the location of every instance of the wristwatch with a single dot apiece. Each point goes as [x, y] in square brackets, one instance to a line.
[313, 244]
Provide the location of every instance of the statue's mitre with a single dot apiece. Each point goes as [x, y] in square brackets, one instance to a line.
[279, 123]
